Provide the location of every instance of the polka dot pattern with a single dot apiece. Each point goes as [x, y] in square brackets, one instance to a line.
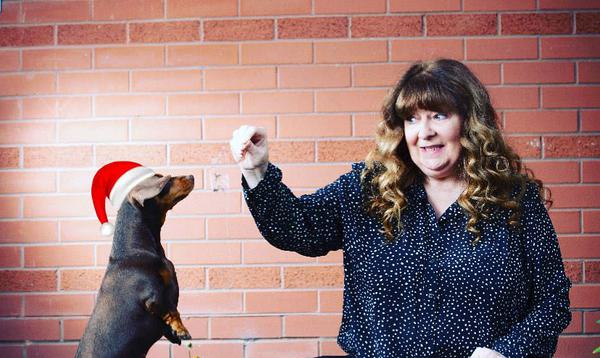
[430, 293]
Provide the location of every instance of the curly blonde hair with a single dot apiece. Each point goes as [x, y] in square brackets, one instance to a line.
[490, 168]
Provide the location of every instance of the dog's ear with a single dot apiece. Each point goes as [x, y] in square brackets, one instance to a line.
[147, 189]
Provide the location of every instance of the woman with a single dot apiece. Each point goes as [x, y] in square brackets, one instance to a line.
[448, 248]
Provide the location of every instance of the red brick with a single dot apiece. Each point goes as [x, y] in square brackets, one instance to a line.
[426, 49]
[80, 280]
[180, 31]
[50, 350]
[205, 8]
[154, 155]
[587, 22]
[573, 271]
[525, 146]
[343, 151]
[211, 349]
[74, 328]
[28, 231]
[35, 157]
[588, 72]
[281, 301]
[205, 253]
[27, 84]
[67, 255]
[572, 146]
[246, 327]
[163, 81]
[10, 207]
[514, 97]
[291, 349]
[201, 55]
[570, 47]
[128, 9]
[26, 182]
[540, 121]
[592, 271]
[486, 5]
[277, 102]
[223, 127]
[591, 322]
[576, 323]
[351, 51]
[10, 256]
[276, 53]
[56, 205]
[461, 25]
[591, 171]
[130, 105]
[585, 296]
[9, 60]
[191, 278]
[590, 120]
[93, 82]
[378, 74]
[568, 4]
[424, 5]
[315, 27]
[91, 34]
[386, 26]
[26, 36]
[591, 221]
[210, 302]
[9, 157]
[129, 57]
[240, 78]
[244, 277]
[348, 6]
[166, 129]
[569, 347]
[39, 108]
[11, 13]
[23, 133]
[313, 277]
[330, 301]
[61, 59]
[30, 329]
[238, 30]
[570, 97]
[10, 109]
[502, 49]
[262, 7]
[330, 347]
[205, 103]
[539, 72]
[555, 171]
[312, 326]
[350, 100]
[21, 280]
[55, 11]
[318, 125]
[12, 306]
[292, 152]
[536, 24]
[59, 305]
[570, 196]
[314, 76]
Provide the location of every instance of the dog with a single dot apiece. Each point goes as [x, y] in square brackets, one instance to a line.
[137, 301]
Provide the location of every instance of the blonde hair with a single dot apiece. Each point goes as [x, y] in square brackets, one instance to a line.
[491, 169]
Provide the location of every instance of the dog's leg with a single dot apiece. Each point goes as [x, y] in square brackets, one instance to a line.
[174, 331]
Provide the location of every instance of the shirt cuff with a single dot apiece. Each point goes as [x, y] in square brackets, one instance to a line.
[264, 187]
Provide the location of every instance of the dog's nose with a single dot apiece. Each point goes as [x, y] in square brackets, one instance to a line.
[190, 178]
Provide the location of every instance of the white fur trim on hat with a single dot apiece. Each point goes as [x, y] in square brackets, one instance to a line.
[126, 182]
[107, 229]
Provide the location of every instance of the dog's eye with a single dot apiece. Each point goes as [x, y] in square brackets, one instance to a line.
[165, 189]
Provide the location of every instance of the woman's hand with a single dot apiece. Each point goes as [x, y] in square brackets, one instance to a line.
[249, 148]
[486, 353]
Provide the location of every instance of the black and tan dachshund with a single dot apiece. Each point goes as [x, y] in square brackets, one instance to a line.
[137, 302]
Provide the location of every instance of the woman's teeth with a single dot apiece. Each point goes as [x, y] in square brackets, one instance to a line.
[432, 148]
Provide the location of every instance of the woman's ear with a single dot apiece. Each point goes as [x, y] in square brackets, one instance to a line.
[147, 189]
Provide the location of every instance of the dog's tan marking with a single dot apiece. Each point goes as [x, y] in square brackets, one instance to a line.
[174, 321]
[166, 276]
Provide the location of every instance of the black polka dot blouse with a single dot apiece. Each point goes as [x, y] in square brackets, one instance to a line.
[431, 293]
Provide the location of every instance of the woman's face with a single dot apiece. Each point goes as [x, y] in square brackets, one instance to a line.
[433, 140]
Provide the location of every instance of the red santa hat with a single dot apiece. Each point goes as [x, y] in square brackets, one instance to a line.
[114, 181]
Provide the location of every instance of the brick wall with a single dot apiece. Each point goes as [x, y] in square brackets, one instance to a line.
[164, 83]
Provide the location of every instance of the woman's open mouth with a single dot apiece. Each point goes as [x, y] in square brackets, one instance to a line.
[432, 148]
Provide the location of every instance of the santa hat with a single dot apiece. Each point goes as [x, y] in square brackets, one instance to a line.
[114, 181]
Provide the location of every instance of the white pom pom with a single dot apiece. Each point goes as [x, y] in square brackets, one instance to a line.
[107, 229]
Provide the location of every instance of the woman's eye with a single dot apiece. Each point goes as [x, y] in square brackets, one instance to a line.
[440, 116]
[410, 120]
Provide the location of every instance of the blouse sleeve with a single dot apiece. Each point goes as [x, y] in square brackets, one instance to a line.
[310, 225]
[538, 332]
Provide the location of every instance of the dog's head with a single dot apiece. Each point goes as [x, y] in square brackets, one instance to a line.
[161, 193]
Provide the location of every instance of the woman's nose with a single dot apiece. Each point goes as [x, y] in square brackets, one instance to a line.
[425, 129]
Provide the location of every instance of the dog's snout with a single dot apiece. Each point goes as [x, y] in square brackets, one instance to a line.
[190, 178]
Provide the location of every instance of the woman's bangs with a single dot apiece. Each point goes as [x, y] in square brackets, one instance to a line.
[426, 94]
